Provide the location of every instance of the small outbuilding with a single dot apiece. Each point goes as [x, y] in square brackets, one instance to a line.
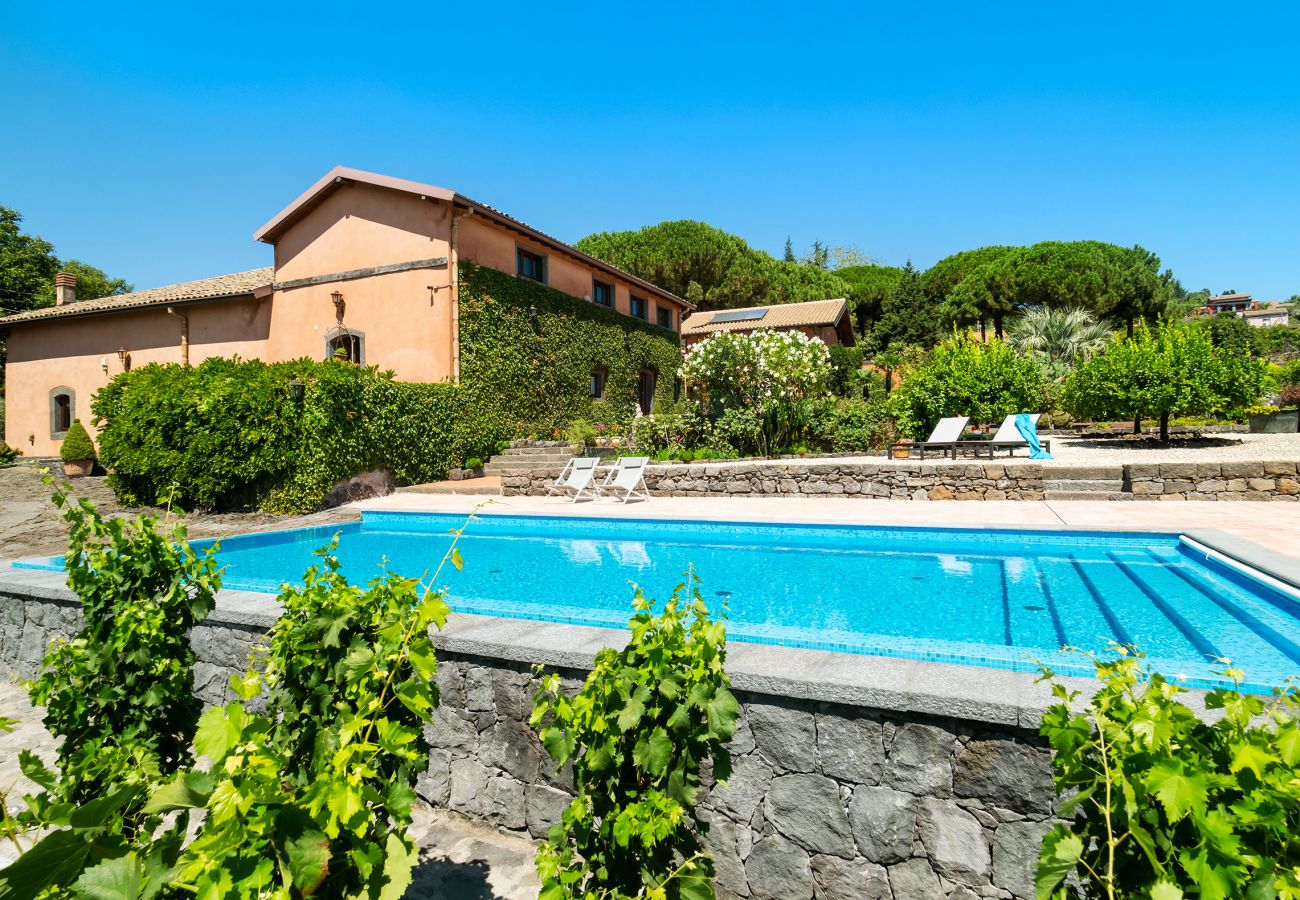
[825, 319]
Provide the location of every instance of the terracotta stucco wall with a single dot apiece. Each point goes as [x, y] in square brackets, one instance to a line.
[406, 326]
[490, 245]
[82, 354]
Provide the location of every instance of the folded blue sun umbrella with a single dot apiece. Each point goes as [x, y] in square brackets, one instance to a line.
[1029, 431]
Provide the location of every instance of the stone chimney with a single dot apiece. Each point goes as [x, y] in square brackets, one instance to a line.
[65, 288]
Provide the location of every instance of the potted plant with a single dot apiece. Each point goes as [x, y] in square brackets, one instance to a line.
[1281, 419]
[77, 451]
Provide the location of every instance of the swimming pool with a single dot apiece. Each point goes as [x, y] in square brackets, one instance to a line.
[1000, 598]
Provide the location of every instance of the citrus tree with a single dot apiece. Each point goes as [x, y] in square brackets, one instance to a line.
[769, 373]
[967, 377]
[1172, 370]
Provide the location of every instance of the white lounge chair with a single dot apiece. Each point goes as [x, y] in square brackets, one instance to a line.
[627, 478]
[1007, 437]
[578, 479]
[944, 438]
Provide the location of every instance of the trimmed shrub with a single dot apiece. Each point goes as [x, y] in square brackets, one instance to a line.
[845, 426]
[228, 434]
[77, 444]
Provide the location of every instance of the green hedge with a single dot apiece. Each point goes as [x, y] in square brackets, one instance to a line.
[228, 434]
[530, 377]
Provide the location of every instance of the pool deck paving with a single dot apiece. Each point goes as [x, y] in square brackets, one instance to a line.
[1272, 526]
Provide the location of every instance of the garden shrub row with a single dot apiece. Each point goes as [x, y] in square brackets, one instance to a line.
[231, 434]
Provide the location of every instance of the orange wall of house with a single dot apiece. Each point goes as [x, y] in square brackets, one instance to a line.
[490, 245]
[406, 327]
[359, 226]
[404, 330]
[68, 353]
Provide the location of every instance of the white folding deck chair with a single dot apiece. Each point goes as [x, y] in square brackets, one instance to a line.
[578, 478]
[1008, 436]
[628, 478]
[944, 437]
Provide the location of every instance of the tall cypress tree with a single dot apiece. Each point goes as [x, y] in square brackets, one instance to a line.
[907, 316]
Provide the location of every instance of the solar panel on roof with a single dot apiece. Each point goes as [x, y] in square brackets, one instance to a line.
[738, 315]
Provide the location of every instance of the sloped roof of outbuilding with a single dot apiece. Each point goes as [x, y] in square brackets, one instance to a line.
[809, 314]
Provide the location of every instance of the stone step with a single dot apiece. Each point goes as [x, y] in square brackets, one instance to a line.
[1108, 486]
[537, 462]
[488, 486]
[496, 468]
[1083, 495]
[534, 451]
[1083, 473]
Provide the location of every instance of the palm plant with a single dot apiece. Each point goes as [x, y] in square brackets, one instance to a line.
[1065, 336]
[889, 362]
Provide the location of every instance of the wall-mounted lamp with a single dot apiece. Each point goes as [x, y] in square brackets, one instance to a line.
[532, 314]
[124, 358]
[297, 390]
[103, 364]
[339, 306]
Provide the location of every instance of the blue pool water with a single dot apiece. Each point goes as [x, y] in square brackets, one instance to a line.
[980, 597]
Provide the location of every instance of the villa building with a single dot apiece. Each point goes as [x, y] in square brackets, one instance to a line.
[365, 267]
[825, 319]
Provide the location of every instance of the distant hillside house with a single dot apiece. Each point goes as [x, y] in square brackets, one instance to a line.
[365, 267]
[1267, 315]
[1233, 303]
[825, 319]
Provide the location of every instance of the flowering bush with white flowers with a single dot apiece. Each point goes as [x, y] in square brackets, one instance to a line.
[772, 374]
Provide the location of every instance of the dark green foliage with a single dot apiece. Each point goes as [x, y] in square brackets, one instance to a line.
[1232, 333]
[76, 444]
[121, 692]
[524, 376]
[852, 425]
[1114, 283]
[1172, 370]
[846, 370]
[868, 287]
[1159, 803]
[966, 377]
[27, 266]
[7, 454]
[710, 267]
[1280, 341]
[907, 316]
[647, 719]
[227, 434]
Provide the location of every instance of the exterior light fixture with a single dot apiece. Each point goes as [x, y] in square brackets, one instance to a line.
[337, 297]
[532, 314]
[297, 390]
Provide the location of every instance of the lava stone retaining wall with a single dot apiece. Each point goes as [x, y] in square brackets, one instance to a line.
[948, 480]
[1213, 481]
[894, 481]
[826, 800]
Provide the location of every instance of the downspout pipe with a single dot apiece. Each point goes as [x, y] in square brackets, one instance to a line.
[453, 270]
[185, 334]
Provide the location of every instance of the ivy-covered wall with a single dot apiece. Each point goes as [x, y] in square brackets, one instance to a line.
[530, 376]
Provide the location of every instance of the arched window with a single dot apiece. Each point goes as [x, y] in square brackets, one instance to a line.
[63, 409]
[598, 379]
[645, 390]
[349, 346]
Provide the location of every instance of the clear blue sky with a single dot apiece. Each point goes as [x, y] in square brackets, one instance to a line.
[152, 142]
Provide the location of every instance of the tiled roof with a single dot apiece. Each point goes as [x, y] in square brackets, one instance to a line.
[783, 315]
[1277, 310]
[238, 284]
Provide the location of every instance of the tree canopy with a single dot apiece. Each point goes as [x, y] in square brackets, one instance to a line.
[868, 285]
[906, 314]
[1118, 284]
[710, 267]
[28, 265]
[1174, 369]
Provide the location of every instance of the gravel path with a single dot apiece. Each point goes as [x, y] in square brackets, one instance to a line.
[459, 859]
[30, 524]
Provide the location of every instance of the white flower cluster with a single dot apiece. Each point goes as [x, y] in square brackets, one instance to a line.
[762, 370]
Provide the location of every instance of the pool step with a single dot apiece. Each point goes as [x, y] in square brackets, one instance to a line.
[532, 455]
